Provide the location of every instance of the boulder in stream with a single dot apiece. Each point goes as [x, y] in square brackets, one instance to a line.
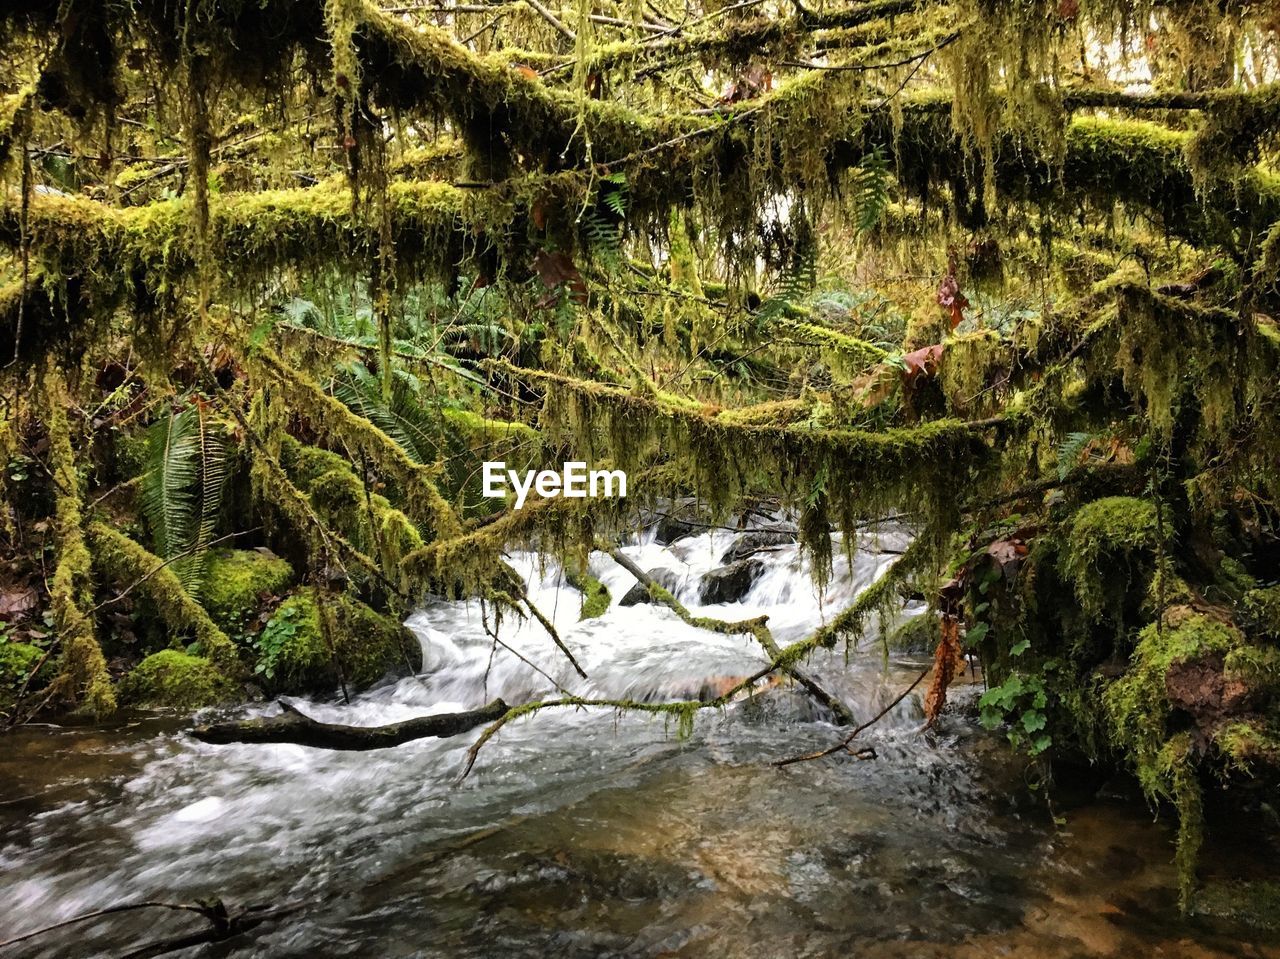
[668, 579]
[294, 655]
[729, 584]
[751, 543]
[177, 680]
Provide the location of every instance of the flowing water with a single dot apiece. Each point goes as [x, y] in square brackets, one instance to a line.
[590, 833]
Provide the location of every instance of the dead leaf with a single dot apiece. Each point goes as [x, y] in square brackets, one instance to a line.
[753, 82]
[952, 299]
[948, 660]
[556, 269]
[921, 364]
[15, 603]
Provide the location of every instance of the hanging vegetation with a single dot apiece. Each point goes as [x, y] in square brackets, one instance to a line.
[278, 276]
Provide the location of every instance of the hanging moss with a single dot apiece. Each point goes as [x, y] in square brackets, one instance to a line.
[175, 680]
[334, 419]
[1197, 670]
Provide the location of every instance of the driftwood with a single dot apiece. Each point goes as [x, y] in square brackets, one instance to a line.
[292, 726]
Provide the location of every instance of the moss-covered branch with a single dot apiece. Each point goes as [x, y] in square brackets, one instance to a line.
[83, 678]
[120, 559]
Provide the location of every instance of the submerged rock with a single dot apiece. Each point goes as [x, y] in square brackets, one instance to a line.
[174, 679]
[729, 584]
[295, 655]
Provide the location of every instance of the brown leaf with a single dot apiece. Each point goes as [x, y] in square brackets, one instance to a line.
[921, 364]
[15, 603]
[948, 660]
[754, 81]
[556, 269]
[952, 299]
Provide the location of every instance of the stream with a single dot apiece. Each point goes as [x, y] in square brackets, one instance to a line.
[585, 833]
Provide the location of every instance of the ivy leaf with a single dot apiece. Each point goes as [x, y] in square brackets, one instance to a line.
[977, 633]
[1020, 647]
[1033, 720]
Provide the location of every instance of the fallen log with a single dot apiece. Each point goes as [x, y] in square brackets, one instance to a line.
[293, 726]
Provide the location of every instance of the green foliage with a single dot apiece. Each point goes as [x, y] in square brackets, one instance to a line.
[1019, 702]
[315, 640]
[181, 492]
[17, 661]
[870, 190]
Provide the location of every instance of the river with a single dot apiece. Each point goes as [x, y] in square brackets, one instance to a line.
[584, 833]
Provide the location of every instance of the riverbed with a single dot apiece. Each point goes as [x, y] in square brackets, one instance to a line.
[584, 833]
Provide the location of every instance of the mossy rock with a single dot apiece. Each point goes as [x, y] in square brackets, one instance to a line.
[237, 579]
[16, 662]
[177, 680]
[294, 656]
[595, 594]
[1110, 543]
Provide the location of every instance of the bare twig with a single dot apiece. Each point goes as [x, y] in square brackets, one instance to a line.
[844, 743]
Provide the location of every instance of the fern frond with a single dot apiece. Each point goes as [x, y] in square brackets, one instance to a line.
[168, 490]
[871, 190]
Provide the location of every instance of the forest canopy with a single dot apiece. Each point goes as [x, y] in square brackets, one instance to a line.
[278, 276]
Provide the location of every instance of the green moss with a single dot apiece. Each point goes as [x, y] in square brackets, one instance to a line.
[1109, 543]
[1137, 704]
[361, 646]
[1255, 903]
[237, 579]
[176, 680]
[1262, 612]
[340, 500]
[17, 660]
[1138, 713]
[1249, 742]
[595, 595]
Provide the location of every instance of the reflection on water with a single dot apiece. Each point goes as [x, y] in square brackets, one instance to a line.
[584, 833]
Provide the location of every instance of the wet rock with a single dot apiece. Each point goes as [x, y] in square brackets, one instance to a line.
[680, 519]
[752, 543]
[668, 579]
[729, 584]
[672, 528]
